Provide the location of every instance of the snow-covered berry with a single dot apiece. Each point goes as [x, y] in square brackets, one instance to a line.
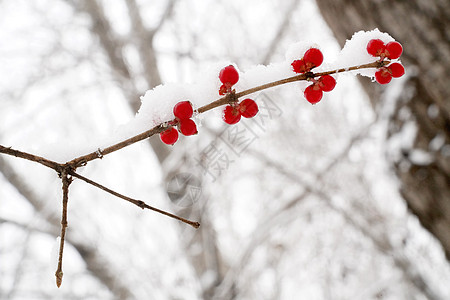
[376, 47]
[396, 69]
[169, 136]
[326, 83]
[393, 50]
[313, 58]
[231, 115]
[299, 66]
[229, 75]
[248, 108]
[385, 74]
[183, 110]
[313, 93]
[187, 127]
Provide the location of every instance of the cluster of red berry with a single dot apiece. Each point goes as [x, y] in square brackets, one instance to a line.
[312, 58]
[248, 108]
[391, 50]
[232, 113]
[183, 112]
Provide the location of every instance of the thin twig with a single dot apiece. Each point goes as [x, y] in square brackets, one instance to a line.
[66, 180]
[69, 170]
[305, 76]
[82, 160]
[43, 161]
[136, 202]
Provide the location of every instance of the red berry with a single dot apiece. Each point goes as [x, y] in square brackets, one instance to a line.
[394, 50]
[313, 93]
[183, 110]
[383, 76]
[187, 127]
[313, 58]
[327, 83]
[248, 108]
[231, 115]
[229, 75]
[169, 136]
[396, 70]
[299, 66]
[223, 90]
[376, 47]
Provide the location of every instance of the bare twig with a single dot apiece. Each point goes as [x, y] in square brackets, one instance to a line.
[308, 75]
[43, 161]
[136, 202]
[66, 180]
[82, 160]
[64, 170]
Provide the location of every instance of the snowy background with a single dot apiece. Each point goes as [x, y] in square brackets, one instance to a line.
[308, 209]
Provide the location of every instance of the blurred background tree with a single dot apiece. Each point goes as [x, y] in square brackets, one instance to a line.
[424, 166]
[309, 210]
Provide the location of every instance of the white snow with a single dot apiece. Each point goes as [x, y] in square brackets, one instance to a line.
[420, 157]
[297, 50]
[157, 103]
[433, 111]
[437, 142]
[354, 52]
[403, 140]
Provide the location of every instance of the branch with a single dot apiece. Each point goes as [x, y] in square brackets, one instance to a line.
[136, 202]
[284, 27]
[64, 170]
[43, 161]
[229, 98]
[108, 39]
[83, 160]
[144, 44]
[165, 16]
[66, 180]
[113, 45]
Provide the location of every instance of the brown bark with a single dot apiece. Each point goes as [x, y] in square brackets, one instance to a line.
[423, 27]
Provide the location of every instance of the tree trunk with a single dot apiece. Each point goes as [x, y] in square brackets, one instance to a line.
[423, 28]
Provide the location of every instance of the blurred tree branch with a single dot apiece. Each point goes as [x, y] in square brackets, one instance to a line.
[113, 46]
[95, 263]
[281, 32]
[285, 214]
[423, 27]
